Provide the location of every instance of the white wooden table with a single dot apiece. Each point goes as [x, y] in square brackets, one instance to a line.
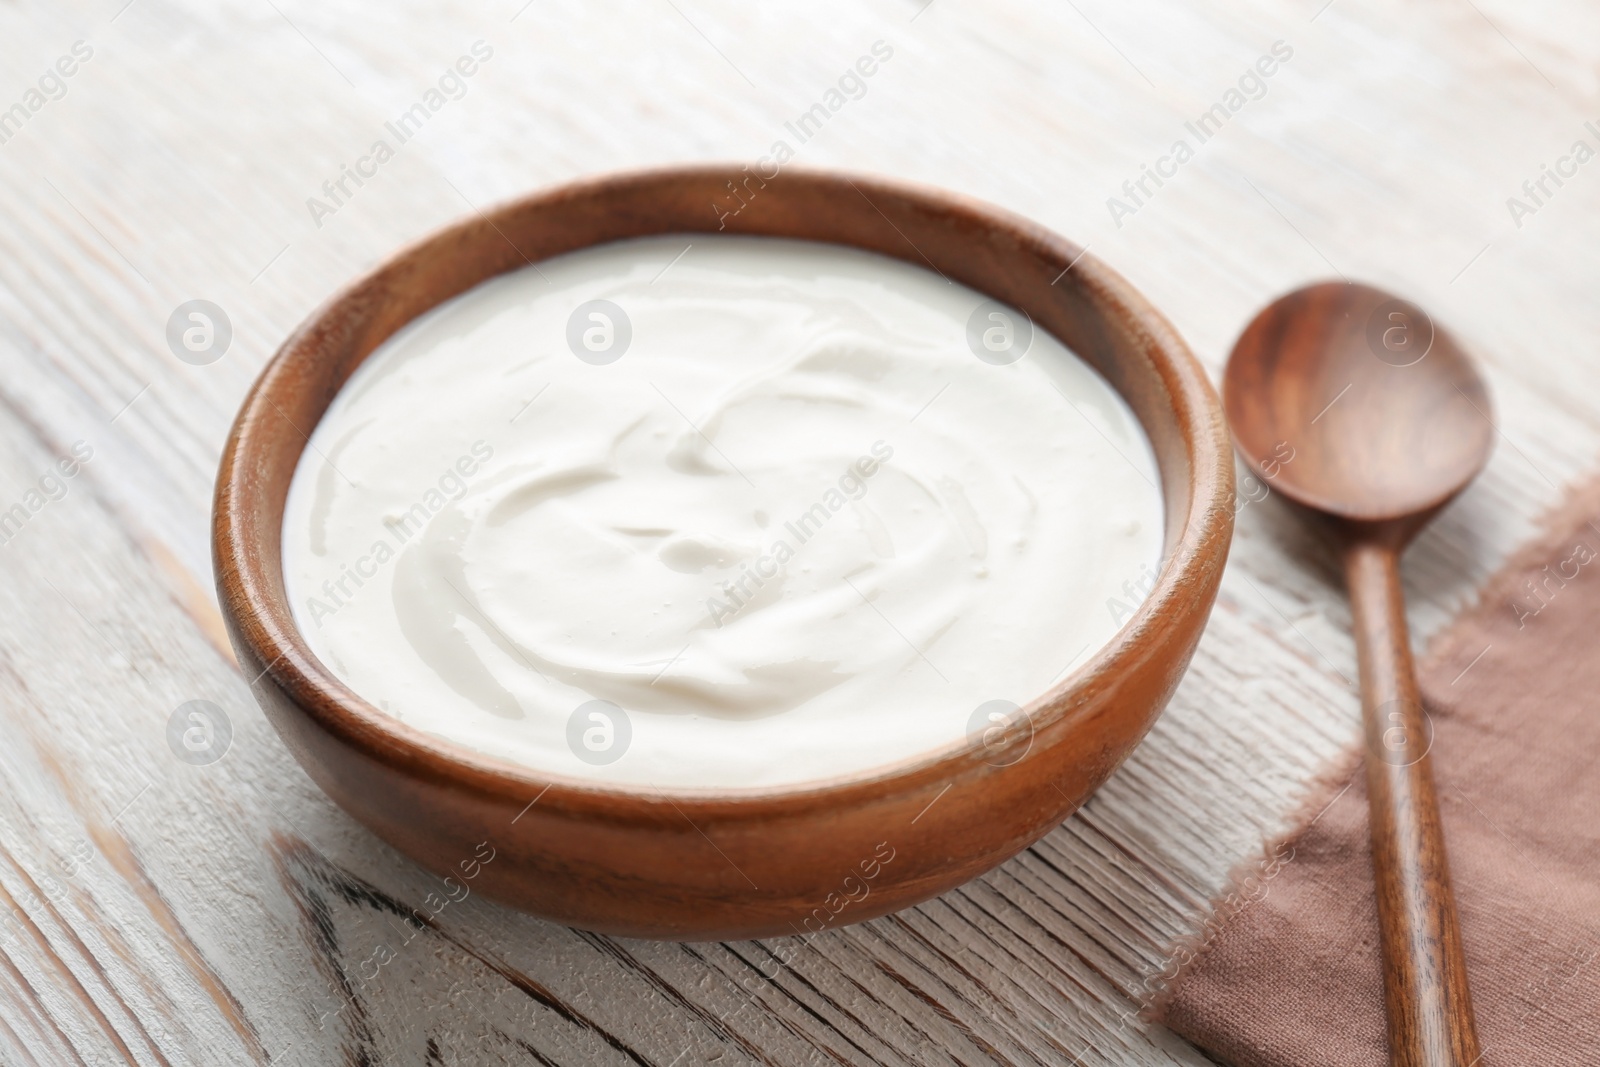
[156, 911]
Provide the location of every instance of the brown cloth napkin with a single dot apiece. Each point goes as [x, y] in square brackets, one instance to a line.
[1291, 978]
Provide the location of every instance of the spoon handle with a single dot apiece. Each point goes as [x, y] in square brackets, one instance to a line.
[1424, 974]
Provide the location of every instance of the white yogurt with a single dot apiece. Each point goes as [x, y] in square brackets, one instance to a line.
[779, 517]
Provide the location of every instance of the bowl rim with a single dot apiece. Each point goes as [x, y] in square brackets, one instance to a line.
[257, 616]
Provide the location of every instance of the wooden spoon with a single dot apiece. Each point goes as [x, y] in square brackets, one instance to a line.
[1359, 409]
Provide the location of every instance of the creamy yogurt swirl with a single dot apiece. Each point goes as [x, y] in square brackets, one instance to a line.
[746, 515]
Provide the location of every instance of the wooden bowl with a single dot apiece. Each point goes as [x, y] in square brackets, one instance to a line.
[739, 863]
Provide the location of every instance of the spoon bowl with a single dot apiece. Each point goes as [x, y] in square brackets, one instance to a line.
[1386, 416]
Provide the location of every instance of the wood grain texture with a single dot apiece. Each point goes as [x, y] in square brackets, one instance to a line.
[162, 912]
